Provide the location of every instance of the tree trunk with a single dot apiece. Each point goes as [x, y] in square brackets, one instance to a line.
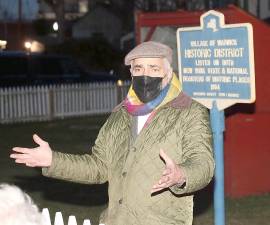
[58, 7]
[60, 18]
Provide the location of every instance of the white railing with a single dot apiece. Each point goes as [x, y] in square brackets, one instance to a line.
[58, 219]
[59, 101]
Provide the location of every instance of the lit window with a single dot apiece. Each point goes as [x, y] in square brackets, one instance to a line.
[83, 6]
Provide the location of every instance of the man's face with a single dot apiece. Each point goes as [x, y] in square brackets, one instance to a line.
[148, 77]
[153, 67]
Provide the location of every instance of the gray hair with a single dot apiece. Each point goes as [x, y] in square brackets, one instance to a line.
[17, 208]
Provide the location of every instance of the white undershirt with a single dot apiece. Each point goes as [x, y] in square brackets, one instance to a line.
[141, 121]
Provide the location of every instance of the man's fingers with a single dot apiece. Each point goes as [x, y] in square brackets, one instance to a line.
[164, 156]
[30, 164]
[22, 150]
[19, 156]
[166, 172]
[158, 187]
[161, 185]
[155, 190]
[38, 140]
[27, 162]
[163, 179]
[20, 161]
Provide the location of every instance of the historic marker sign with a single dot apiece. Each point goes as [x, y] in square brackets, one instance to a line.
[216, 61]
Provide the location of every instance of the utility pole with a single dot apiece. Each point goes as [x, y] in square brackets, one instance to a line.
[258, 9]
[222, 3]
[19, 24]
[158, 8]
[246, 7]
[5, 25]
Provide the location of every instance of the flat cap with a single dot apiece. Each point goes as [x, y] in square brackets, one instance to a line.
[149, 49]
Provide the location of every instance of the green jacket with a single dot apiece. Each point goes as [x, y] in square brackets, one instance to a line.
[131, 163]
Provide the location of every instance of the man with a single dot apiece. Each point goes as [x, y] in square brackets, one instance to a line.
[155, 149]
[17, 208]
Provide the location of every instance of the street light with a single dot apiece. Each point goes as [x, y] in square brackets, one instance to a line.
[119, 83]
[3, 44]
[119, 88]
[28, 46]
[55, 26]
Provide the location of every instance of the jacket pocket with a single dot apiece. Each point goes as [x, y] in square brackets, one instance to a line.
[172, 209]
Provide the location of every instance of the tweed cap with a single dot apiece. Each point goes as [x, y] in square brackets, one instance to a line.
[149, 49]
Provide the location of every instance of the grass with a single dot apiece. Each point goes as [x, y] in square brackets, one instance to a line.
[87, 201]
[71, 135]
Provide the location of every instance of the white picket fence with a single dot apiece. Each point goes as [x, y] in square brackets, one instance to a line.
[58, 219]
[38, 103]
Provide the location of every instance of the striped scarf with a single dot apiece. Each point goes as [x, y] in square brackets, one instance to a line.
[137, 108]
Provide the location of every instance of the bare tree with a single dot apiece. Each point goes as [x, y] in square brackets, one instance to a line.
[170, 5]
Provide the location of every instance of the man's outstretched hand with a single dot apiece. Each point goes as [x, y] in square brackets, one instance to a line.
[40, 156]
[172, 174]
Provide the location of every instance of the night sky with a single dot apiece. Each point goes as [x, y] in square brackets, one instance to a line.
[9, 9]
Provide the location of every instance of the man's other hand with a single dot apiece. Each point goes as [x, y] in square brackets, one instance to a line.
[40, 156]
[172, 174]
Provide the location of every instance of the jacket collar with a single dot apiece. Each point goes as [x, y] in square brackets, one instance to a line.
[180, 102]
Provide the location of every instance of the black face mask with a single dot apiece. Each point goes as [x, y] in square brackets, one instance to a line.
[147, 88]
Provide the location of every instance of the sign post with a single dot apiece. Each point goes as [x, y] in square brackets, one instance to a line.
[218, 127]
[216, 66]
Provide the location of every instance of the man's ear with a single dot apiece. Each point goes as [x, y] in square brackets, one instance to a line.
[169, 74]
[130, 70]
[167, 77]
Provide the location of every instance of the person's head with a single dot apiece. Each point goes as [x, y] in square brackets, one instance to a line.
[150, 67]
[17, 208]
